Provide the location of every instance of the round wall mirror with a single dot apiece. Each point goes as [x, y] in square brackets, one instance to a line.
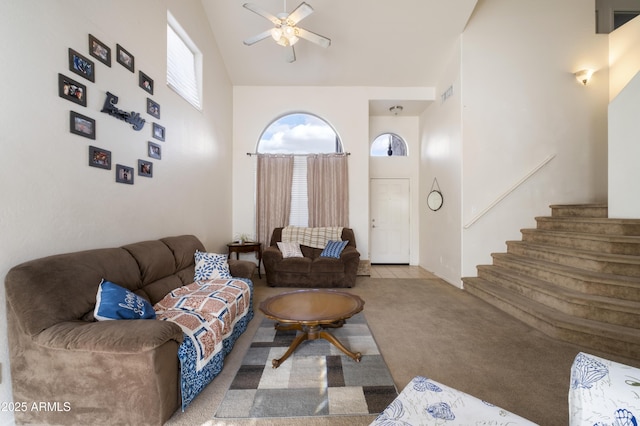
[434, 200]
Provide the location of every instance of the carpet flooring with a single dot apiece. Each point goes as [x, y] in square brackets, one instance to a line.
[316, 380]
[428, 327]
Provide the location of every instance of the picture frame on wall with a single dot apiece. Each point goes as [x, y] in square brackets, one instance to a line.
[99, 157]
[71, 90]
[124, 174]
[99, 50]
[145, 82]
[145, 168]
[82, 125]
[153, 108]
[81, 65]
[154, 150]
[158, 132]
[125, 58]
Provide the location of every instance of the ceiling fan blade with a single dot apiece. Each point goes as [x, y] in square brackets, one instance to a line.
[299, 13]
[258, 37]
[313, 37]
[256, 9]
[290, 55]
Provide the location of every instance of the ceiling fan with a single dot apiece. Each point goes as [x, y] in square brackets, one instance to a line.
[286, 31]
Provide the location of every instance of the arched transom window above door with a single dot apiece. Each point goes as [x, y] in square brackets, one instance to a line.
[299, 133]
[388, 145]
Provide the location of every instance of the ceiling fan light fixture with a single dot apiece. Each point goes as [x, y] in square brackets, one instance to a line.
[285, 35]
[286, 32]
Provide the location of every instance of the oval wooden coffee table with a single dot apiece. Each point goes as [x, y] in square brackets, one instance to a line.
[311, 311]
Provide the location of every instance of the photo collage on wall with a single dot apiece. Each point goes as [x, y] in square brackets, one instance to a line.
[85, 126]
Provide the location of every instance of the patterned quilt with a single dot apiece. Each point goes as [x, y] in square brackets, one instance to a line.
[427, 402]
[311, 237]
[212, 315]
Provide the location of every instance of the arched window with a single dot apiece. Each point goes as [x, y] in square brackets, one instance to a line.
[387, 145]
[299, 133]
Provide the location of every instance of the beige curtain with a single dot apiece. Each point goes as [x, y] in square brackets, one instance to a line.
[328, 190]
[273, 194]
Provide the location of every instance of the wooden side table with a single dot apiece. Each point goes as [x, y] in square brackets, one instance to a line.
[238, 248]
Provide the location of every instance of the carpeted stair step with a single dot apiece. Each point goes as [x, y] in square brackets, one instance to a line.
[590, 225]
[580, 210]
[624, 341]
[598, 308]
[593, 261]
[613, 244]
[581, 280]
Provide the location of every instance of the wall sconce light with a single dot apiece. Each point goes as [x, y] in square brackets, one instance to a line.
[583, 76]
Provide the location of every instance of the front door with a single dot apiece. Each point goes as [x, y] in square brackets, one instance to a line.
[389, 228]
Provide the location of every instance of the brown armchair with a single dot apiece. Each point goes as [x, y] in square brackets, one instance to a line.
[312, 270]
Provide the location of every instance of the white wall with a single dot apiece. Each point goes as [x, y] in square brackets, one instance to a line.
[624, 151]
[624, 56]
[51, 200]
[401, 167]
[520, 104]
[624, 92]
[441, 159]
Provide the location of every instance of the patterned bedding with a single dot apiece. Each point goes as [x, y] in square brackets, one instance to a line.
[212, 315]
[427, 402]
[603, 392]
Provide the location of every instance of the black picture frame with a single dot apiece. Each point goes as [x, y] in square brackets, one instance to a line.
[154, 150]
[153, 108]
[158, 132]
[100, 158]
[145, 168]
[124, 174]
[99, 50]
[71, 90]
[82, 65]
[125, 58]
[145, 82]
[82, 125]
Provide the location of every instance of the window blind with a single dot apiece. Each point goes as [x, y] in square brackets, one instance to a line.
[183, 64]
[299, 215]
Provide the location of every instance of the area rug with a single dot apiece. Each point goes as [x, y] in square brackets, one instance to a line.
[316, 380]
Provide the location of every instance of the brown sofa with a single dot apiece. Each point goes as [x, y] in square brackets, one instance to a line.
[312, 270]
[104, 372]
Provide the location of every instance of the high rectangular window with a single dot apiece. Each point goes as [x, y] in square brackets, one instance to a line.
[184, 64]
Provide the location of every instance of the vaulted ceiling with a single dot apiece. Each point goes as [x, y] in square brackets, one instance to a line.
[383, 43]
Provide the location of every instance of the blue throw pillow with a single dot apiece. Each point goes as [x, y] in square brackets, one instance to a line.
[211, 266]
[114, 302]
[334, 248]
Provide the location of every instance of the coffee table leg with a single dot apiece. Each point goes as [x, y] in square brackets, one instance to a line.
[287, 327]
[299, 339]
[328, 336]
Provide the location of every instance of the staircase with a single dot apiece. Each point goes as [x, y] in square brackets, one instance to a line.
[576, 277]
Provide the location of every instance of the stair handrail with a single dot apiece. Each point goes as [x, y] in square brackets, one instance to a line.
[509, 191]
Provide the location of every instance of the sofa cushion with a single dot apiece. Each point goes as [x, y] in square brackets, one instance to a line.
[154, 258]
[210, 266]
[290, 249]
[114, 302]
[183, 248]
[294, 264]
[334, 248]
[71, 284]
[327, 265]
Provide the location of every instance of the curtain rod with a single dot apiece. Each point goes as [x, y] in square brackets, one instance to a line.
[297, 155]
